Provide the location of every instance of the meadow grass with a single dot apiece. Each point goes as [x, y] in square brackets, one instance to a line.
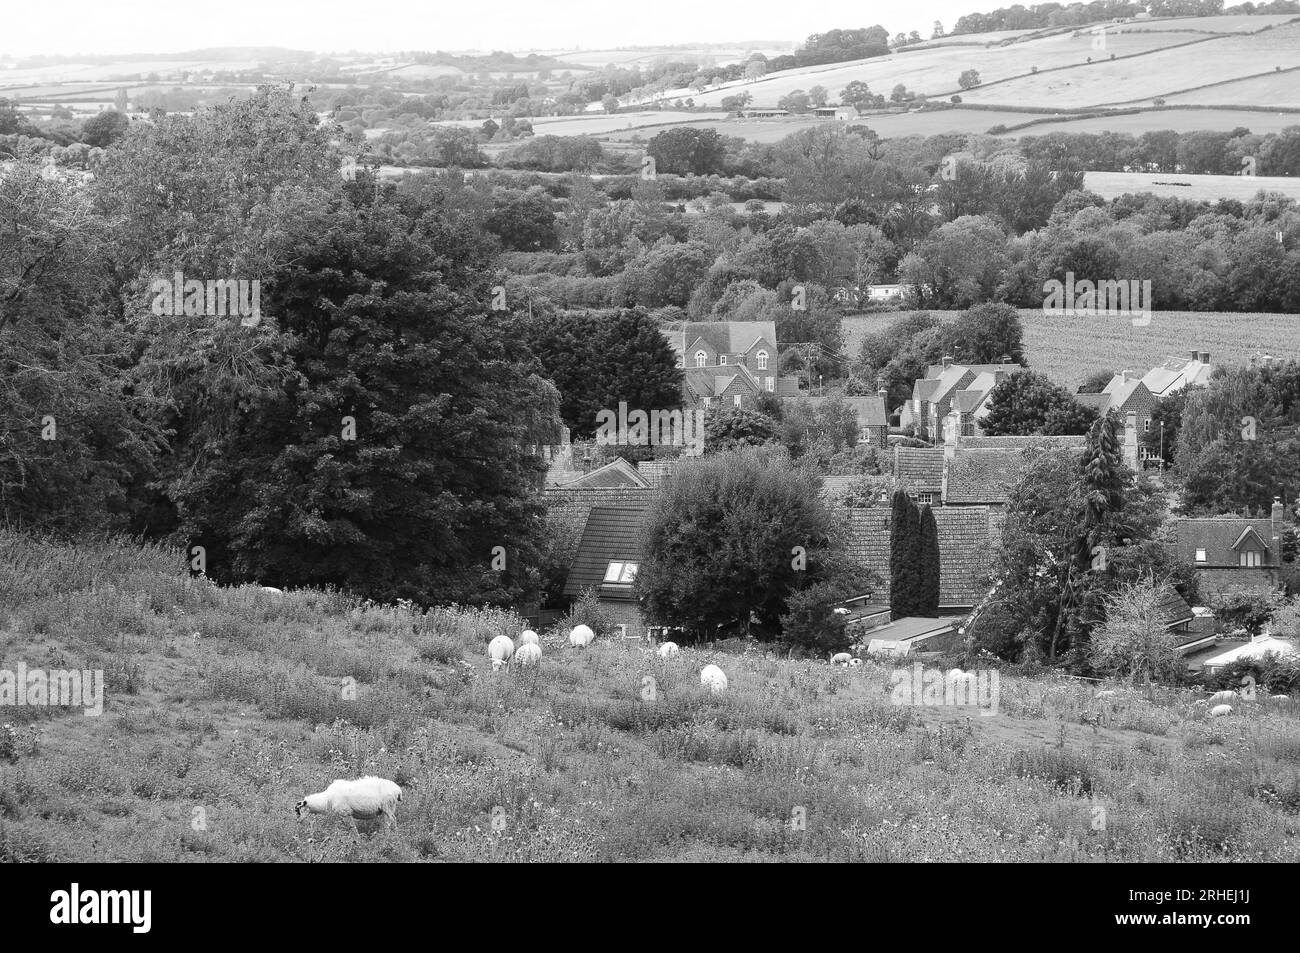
[226, 705]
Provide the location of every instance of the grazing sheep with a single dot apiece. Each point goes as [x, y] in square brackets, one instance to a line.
[1221, 698]
[581, 636]
[1218, 711]
[841, 658]
[669, 650]
[855, 662]
[364, 799]
[1279, 698]
[530, 653]
[500, 651]
[714, 679]
[278, 592]
[529, 638]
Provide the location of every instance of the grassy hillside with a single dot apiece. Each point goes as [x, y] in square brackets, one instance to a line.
[1069, 349]
[224, 706]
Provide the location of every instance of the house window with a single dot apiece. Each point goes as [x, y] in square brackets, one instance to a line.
[1250, 557]
[925, 498]
[737, 399]
[762, 360]
[771, 383]
[700, 358]
[722, 359]
[621, 572]
[1200, 555]
[1146, 425]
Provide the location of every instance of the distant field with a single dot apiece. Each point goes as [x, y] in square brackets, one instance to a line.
[89, 73]
[1069, 349]
[1179, 120]
[1276, 89]
[1198, 187]
[595, 59]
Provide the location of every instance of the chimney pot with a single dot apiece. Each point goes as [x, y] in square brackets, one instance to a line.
[947, 360]
[1196, 355]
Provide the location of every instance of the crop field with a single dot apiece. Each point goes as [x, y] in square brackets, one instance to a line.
[1142, 78]
[1276, 89]
[1208, 188]
[1179, 120]
[224, 706]
[1068, 350]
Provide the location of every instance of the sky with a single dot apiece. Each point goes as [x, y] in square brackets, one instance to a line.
[164, 26]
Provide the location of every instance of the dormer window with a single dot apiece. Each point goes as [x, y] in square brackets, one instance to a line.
[700, 358]
[762, 360]
[722, 359]
[1249, 557]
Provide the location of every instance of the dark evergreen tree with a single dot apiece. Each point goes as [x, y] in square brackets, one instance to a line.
[904, 557]
[929, 558]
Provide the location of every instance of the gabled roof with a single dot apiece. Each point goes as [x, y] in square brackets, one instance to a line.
[1121, 389]
[1175, 608]
[1219, 536]
[870, 411]
[1175, 374]
[1099, 401]
[983, 475]
[920, 468]
[1066, 441]
[1248, 534]
[618, 472]
[612, 534]
[724, 337]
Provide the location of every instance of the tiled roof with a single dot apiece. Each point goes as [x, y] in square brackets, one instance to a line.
[920, 468]
[656, 471]
[724, 337]
[913, 627]
[612, 534]
[983, 475]
[1071, 441]
[618, 472]
[964, 547]
[870, 411]
[787, 386]
[1217, 536]
[1174, 606]
[1099, 402]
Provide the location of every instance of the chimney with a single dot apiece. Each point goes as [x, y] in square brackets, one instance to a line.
[1275, 521]
[951, 433]
[1128, 374]
[1205, 357]
[947, 360]
[1196, 355]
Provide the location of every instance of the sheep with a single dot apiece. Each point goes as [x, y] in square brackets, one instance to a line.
[1218, 711]
[669, 650]
[855, 662]
[529, 637]
[278, 592]
[581, 636]
[1107, 693]
[841, 658]
[1279, 698]
[1224, 697]
[714, 679]
[364, 799]
[530, 653]
[500, 650]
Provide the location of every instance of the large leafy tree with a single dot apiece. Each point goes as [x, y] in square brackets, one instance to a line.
[598, 358]
[733, 535]
[1030, 404]
[686, 151]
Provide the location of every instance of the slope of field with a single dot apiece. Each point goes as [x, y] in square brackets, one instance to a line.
[597, 59]
[1069, 349]
[1276, 89]
[1140, 78]
[1179, 120]
[224, 707]
[1208, 188]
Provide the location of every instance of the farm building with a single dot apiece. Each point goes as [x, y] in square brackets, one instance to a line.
[765, 113]
[839, 113]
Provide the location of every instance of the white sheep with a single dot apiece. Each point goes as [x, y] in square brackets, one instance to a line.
[1224, 697]
[529, 637]
[669, 650]
[855, 662]
[500, 651]
[841, 658]
[278, 592]
[581, 636]
[714, 679]
[530, 653]
[952, 674]
[1279, 698]
[1218, 711]
[364, 799]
